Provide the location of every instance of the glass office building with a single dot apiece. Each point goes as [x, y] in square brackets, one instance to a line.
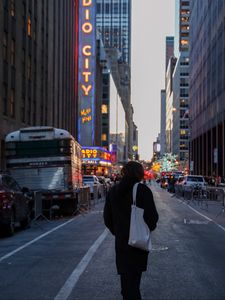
[207, 87]
[113, 21]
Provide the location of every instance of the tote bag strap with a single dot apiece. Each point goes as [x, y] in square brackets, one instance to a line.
[135, 192]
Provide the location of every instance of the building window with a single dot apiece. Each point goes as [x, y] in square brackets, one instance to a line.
[185, 27]
[22, 111]
[104, 137]
[29, 68]
[184, 42]
[104, 109]
[12, 55]
[185, 3]
[29, 26]
[5, 46]
[5, 95]
[183, 132]
[107, 8]
[98, 8]
[12, 8]
[29, 111]
[12, 103]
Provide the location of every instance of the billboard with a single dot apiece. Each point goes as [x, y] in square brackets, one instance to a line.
[86, 69]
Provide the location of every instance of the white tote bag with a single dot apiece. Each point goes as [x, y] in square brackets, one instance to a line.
[139, 236]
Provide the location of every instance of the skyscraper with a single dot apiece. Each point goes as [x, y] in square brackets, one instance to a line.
[180, 105]
[207, 87]
[169, 49]
[113, 21]
[114, 25]
[163, 123]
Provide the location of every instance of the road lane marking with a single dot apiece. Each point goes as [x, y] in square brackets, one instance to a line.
[34, 240]
[70, 283]
[195, 222]
[207, 218]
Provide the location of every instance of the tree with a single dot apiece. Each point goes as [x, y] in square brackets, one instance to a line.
[168, 163]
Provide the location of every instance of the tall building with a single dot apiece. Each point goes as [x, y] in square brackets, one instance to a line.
[37, 65]
[184, 83]
[164, 97]
[163, 123]
[180, 132]
[169, 104]
[113, 21]
[207, 87]
[169, 49]
[184, 14]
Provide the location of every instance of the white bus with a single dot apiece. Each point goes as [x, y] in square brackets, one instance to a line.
[45, 159]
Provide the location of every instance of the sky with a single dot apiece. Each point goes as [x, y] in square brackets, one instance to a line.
[152, 21]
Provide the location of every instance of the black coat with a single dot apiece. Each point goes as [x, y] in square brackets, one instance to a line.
[117, 213]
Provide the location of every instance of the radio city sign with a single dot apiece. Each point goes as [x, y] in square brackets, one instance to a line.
[86, 77]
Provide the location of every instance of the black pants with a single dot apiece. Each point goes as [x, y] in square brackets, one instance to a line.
[130, 286]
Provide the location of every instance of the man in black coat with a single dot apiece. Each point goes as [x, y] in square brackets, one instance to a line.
[130, 261]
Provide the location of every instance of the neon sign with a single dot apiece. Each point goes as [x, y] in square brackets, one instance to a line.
[86, 115]
[96, 153]
[87, 65]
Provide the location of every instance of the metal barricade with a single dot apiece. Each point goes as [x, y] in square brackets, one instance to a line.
[188, 193]
[95, 194]
[214, 196]
[84, 199]
[38, 206]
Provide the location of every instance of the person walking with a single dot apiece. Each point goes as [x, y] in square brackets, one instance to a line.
[130, 261]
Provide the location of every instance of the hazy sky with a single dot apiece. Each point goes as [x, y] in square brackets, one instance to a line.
[152, 21]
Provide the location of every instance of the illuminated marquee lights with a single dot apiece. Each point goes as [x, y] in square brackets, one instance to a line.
[96, 153]
[87, 28]
[87, 65]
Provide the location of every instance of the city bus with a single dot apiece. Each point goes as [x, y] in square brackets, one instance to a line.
[45, 159]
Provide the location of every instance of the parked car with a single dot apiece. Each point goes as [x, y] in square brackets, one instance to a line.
[193, 181]
[15, 205]
[92, 180]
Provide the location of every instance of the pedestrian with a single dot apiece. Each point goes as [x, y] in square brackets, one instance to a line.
[130, 261]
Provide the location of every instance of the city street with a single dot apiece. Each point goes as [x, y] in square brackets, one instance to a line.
[74, 258]
[98, 93]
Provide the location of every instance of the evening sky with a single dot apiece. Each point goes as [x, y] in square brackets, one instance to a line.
[152, 21]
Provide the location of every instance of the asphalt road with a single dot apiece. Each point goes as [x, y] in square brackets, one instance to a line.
[74, 258]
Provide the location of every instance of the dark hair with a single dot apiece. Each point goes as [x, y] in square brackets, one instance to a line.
[133, 169]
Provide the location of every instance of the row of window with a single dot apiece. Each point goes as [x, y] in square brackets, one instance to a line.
[112, 8]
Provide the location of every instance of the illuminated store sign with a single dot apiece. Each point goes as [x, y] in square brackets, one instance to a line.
[87, 65]
[96, 154]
